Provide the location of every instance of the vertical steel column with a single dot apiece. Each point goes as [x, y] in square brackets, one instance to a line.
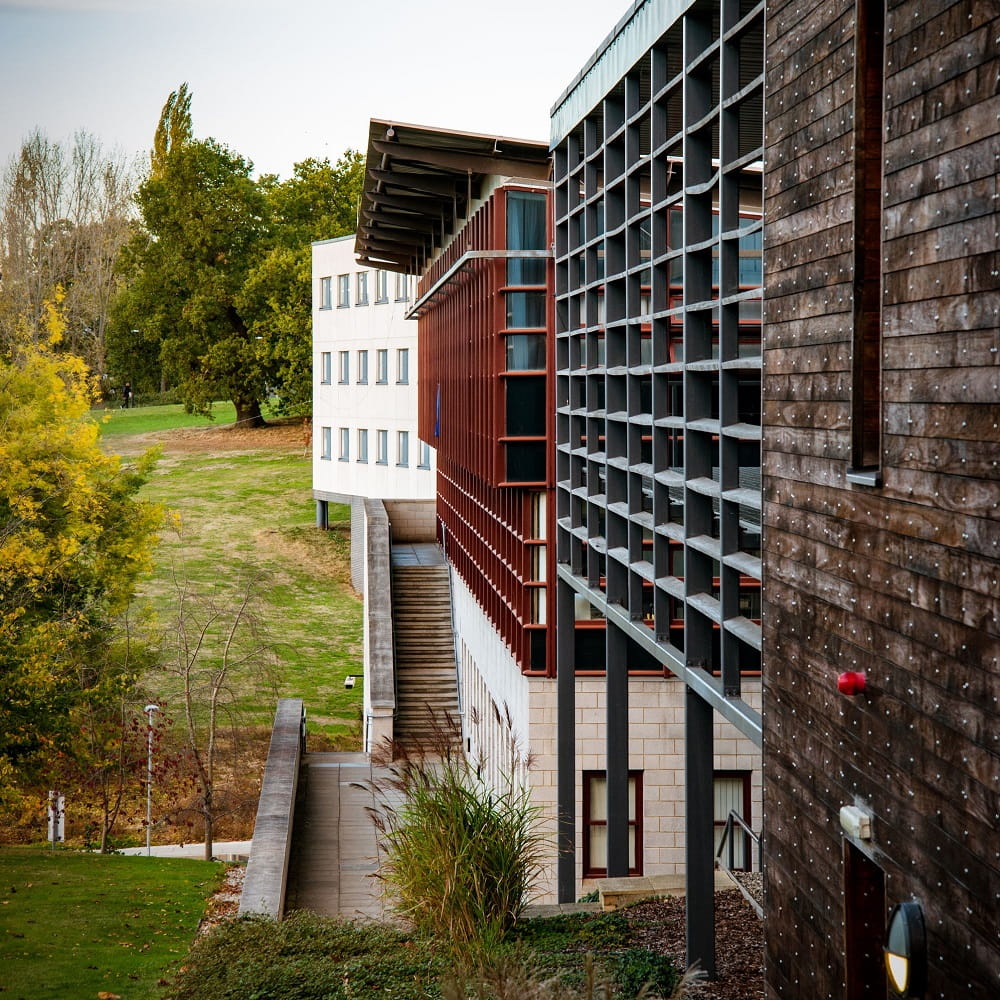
[565, 743]
[698, 828]
[617, 751]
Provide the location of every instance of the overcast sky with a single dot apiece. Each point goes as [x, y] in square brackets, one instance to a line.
[282, 80]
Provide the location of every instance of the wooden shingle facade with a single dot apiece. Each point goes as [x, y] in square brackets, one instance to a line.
[881, 490]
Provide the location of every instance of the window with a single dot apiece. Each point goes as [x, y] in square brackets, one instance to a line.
[362, 368]
[382, 447]
[382, 366]
[731, 792]
[525, 231]
[425, 456]
[361, 289]
[526, 310]
[525, 352]
[343, 291]
[402, 287]
[362, 445]
[325, 293]
[345, 367]
[326, 367]
[403, 448]
[326, 443]
[866, 373]
[595, 823]
[381, 286]
[345, 444]
[403, 365]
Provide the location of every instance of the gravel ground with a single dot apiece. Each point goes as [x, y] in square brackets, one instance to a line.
[658, 924]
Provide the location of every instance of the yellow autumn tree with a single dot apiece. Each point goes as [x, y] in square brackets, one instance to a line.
[74, 539]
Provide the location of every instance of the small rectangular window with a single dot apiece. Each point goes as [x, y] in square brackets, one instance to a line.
[362, 445]
[526, 310]
[403, 365]
[345, 444]
[731, 791]
[325, 293]
[362, 367]
[326, 443]
[595, 823]
[345, 367]
[382, 447]
[425, 456]
[343, 291]
[525, 352]
[382, 366]
[326, 367]
[403, 448]
[381, 286]
[361, 289]
[402, 287]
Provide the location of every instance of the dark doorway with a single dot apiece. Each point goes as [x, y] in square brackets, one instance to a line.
[864, 925]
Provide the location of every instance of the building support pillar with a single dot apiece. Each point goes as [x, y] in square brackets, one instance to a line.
[617, 752]
[565, 742]
[322, 515]
[699, 820]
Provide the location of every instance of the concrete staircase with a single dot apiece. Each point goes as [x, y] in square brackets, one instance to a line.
[426, 683]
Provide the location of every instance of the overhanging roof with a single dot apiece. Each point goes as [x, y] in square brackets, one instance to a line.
[420, 183]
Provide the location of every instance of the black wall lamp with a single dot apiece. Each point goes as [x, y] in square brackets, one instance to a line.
[906, 950]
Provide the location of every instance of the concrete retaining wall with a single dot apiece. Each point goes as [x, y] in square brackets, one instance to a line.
[267, 869]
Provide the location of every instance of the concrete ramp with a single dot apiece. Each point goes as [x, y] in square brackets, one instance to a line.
[335, 852]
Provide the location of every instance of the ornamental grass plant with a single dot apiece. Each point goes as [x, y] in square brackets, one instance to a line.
[461, 856]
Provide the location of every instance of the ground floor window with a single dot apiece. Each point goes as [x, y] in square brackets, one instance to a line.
[731, 792]
[595, 823]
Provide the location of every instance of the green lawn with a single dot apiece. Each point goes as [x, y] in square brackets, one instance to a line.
[116, 422]
[234, 512]
[78, 925]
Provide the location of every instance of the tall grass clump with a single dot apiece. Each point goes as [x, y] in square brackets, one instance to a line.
[461, 857]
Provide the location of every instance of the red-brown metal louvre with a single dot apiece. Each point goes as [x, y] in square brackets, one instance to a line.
[485, 525]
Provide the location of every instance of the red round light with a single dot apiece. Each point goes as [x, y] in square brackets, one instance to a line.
[851, 683]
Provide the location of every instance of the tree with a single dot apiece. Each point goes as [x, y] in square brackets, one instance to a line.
[219, 651]
[74, 540]
[319, 201]
[204, 221]
[65, 212]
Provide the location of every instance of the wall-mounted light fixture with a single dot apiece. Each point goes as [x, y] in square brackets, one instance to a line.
[906, 950]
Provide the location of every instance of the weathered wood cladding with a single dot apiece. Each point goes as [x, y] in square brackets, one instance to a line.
[901, 581]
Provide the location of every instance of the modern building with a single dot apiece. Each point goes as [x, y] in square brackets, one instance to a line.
[881, 457]
[487, 403]
[658, 160]
[365, 441]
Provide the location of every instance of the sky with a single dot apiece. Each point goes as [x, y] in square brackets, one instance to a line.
[279, 81]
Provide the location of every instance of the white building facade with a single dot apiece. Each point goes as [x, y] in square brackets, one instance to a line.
[365, 440]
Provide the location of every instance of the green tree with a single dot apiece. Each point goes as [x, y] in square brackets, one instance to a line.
[204, 221]
[74, 540]
[318, 202]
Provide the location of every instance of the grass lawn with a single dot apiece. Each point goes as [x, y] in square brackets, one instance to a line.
[143, 419]
[85, 925]
[239, 507]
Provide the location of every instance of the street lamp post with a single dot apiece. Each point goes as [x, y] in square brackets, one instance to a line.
[149, 710]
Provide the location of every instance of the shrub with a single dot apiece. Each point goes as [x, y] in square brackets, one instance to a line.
[639, 972]
[307, 957]
[461, 858]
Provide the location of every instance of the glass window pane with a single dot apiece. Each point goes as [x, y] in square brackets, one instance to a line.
[525, 352]
[526, 310]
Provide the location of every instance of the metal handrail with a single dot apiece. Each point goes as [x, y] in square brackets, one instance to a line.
[732, 820]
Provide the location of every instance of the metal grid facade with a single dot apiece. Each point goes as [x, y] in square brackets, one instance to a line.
[658, 193]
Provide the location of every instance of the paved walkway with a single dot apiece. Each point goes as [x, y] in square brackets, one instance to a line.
[334, 846]
[222, 850]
